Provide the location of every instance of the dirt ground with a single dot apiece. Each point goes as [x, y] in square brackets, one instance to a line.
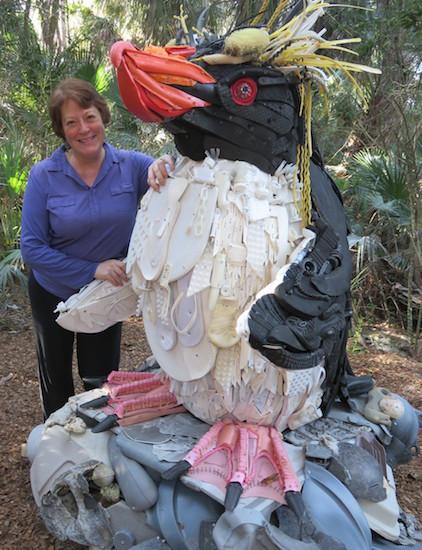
[20, 526]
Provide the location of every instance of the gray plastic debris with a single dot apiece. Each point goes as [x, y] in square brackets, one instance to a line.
[298, 525]
[410, 529]
[161, 441]
[317, 451]
[245, 529]
[148, 365]
[334, 510]
[381, 544]
[173, 450]
[145, 432]
[359, 471]
[123, 539]
[152, 544]
[206, 538]
[319, 430]
[179, 513]
[141, 453]
[183, 424]
[70, 512]
[288, 522]
[371, 444]
[120, 516]
[137, 487]
[340, 412]
[404, 445]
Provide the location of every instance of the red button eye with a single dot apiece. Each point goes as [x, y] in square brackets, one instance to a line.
[244, 91]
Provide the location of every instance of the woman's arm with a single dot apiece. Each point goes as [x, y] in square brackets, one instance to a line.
[151, 172]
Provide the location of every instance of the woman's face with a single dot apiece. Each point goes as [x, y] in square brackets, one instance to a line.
[83, 130]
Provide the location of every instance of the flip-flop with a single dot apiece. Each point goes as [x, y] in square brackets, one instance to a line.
[186, 315]
[167, 332]
[182, 363]
[154, 225]
[191, 231]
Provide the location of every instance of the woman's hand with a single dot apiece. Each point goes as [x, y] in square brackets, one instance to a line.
[159, 171]
[113, 271]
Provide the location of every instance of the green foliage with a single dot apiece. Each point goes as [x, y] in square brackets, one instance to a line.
[333, 122]
[13, 159]
[379, 182]
[381, 148]
[11, 269]
[155, 22]
[354, 343]
[378, 196]
[14, 162]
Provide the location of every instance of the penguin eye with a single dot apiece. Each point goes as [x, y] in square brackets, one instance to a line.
[244, 91]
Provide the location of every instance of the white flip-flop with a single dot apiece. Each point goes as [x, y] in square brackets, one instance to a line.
[191, 231]
[154, 226]
[186, 314]
[182, 363]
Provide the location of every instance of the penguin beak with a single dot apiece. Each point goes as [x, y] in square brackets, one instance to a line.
[157, 84]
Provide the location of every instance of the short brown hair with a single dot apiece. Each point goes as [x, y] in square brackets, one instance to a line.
[80, 91]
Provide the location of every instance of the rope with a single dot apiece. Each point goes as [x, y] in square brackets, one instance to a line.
[304, 152]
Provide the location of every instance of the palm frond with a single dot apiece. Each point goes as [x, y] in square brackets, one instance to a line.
[376, 202]
[376, 171]
[369, 248]
[11, 269]
[399, 261]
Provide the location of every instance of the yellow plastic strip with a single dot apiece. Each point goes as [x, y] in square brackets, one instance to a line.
[276, 14]
[182, 19]
[261, 13]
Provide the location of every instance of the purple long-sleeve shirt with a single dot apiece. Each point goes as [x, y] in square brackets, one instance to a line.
[68, 228]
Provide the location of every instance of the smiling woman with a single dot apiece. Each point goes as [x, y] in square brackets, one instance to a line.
[85, 134]
[79, 209]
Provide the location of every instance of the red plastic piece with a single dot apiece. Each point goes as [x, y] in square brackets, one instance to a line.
[145, 79]
[244, 91]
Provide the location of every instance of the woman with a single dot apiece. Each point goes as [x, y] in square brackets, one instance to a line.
[78, 212]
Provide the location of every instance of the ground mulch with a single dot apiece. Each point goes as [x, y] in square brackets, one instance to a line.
[20, 526]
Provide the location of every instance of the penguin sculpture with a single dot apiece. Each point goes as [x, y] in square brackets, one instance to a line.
[241, 269]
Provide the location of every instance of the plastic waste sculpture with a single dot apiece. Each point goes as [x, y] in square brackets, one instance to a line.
[247, 429]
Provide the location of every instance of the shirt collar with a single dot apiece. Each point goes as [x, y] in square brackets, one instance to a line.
[59, 163]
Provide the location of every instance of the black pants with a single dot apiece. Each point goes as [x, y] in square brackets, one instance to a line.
[97, 354]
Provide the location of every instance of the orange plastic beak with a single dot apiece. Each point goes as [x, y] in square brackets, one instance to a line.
[145, 79]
